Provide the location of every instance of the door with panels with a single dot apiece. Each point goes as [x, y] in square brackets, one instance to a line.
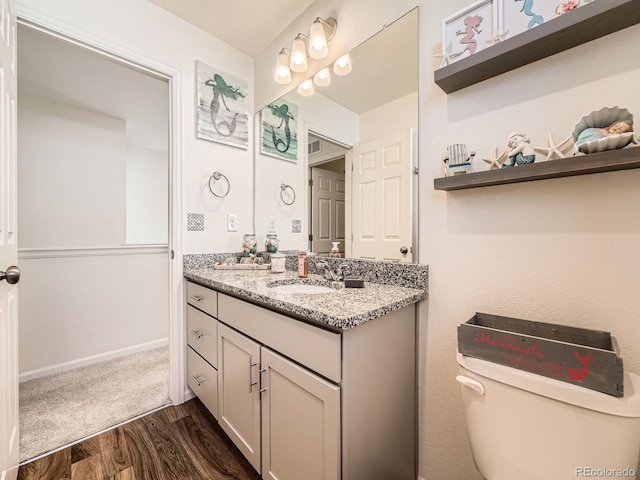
[300, 422]
[239, 391]
[9, 274]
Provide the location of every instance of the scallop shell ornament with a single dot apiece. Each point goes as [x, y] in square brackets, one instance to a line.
[601, 119]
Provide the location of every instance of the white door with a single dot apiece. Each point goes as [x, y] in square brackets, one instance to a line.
[327, 209]
[382, 198]
[9, 440]
[238, 391]
[300, 422]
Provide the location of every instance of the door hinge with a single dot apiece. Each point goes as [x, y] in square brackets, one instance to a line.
[172, 255]
[311, 182]
[311, 237]
[415, 170]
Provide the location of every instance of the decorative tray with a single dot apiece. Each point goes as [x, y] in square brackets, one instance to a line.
[243, 266]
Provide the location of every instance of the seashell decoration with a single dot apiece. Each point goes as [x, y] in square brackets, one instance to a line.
[596, 122]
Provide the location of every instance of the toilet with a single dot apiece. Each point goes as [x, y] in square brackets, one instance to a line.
[524, 426]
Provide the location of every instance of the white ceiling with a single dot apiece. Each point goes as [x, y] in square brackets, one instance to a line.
[248, 25]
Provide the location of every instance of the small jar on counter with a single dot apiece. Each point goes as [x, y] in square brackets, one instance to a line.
[278, 263]
[272, 243]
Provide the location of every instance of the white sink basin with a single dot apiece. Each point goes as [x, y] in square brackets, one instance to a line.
[302, 288]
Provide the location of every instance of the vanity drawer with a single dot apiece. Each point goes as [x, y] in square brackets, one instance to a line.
[313, 347]
[202, 298]
[202, 379]
[202, 334]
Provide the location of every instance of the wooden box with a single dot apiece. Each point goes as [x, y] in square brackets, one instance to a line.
[584, 357]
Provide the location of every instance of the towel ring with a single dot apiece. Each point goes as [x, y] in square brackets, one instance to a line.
[217, 176]
[283, 188]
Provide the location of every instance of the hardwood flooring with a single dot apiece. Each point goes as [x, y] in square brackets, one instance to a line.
[177, 443]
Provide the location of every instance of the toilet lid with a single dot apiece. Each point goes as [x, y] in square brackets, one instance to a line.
[626, 406]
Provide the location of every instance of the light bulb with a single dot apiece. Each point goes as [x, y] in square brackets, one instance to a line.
[306, 88]
[322, 78]
[283, 73]
[317, 41]
[342, 66]
[298, 56]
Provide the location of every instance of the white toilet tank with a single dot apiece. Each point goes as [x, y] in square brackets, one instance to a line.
[524, 426]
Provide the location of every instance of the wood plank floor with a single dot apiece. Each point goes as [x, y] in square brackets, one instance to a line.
[177, 443]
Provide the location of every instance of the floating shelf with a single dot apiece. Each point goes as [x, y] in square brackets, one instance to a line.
[609, 161]
[591, 21]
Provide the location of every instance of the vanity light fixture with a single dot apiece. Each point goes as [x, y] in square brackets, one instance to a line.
[283, 72]
[322, 78]
[322, 31]
[342, 66]
[298, 60]
[306, 88]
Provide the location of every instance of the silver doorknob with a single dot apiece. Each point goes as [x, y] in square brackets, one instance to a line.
[404, 250]
[12, 275]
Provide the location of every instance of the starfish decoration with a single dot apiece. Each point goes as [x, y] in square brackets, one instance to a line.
[447, 56]
[498, 37]
[556, 150]
[497, 160]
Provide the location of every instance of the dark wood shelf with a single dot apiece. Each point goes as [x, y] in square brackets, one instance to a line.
[591, 21]
[609, 161]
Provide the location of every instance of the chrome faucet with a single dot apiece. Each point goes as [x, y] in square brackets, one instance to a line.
[330, 274]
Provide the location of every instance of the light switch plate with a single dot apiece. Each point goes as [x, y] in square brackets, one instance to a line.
[271, 224]
[232, 222]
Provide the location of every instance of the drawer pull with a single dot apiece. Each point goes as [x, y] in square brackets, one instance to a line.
[196, 378]
[196, 333]
[263, 389]
[197, 298]
[251, 382]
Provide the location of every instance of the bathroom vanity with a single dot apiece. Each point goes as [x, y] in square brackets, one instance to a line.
[314, 386]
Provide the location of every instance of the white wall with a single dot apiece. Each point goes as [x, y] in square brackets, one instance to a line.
[154, 36]
[82, 294]
[147, 196]
[55, 140]
[390, 118]
[561, 250]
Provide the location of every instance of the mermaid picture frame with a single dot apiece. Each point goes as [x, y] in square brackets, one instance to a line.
[222, 113]
[517, 16]
[279, 130]
[469, 30]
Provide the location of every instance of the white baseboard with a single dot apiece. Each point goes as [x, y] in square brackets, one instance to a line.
[82, 362]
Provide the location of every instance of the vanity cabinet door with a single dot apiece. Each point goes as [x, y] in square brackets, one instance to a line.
[300, 422]
[239, 391]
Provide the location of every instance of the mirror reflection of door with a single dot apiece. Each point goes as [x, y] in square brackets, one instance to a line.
[381, 182]
[327, 195]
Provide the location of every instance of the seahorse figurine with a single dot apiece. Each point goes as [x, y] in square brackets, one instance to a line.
[527, 10]
[471, 28]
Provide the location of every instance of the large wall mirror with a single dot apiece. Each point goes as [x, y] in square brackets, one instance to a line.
[339, 165]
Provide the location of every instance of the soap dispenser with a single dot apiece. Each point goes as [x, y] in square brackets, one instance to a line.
[335, 251]
[303, 262]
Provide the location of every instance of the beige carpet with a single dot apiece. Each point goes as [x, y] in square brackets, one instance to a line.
[63, 408]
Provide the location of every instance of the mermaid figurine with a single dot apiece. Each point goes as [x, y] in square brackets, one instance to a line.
[521, 152]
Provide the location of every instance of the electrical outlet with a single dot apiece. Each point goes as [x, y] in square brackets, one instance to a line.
[232, 223]
[271, 224]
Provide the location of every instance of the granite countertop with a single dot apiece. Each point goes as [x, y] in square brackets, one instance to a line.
[342, 309]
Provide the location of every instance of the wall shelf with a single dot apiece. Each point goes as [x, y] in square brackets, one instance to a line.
[591, 21]
[609, 161]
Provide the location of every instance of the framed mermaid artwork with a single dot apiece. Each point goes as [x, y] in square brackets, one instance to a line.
[279, 130]
[517, 16]
[222, 113]
[468, 31]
